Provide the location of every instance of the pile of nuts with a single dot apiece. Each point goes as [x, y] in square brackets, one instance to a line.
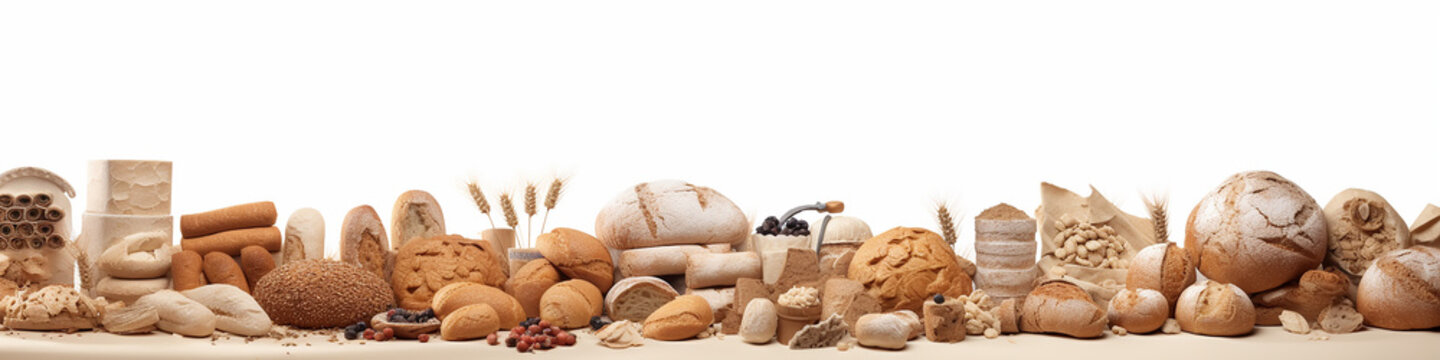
[981, 314]
[1085, 244]
[1363, 235]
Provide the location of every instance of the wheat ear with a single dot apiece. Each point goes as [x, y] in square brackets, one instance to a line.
[1159, 206]
[947, 223]
[552, 196]
[82, 261]
[508, 208]
[530, 210]
[480, 202]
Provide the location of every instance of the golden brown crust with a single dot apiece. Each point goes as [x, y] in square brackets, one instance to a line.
[904, 266]
[423, 266]
[187, 270]
[363, 241]
[578, 255]
[530, 282]
[457, 295]
[680, 319]
[222, 269]
[251, 215]
[255, 262]
[571, 304]
[473, 321]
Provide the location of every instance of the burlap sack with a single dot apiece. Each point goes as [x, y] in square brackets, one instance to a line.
[1055, 202]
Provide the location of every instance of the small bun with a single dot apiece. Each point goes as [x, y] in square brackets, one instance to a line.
[1214, 308]
[472, 321]
[1161, 267]
[680, 319]
[578, 255]
[1401, 290]
[1139, 311]
[457, 295]
[571, 304]
[530, 282]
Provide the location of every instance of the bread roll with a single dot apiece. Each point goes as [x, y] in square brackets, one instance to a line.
[669, 212]
[1161, 267]
[422, 265]
[179, 314]
[474, 321]
[757, 326]
[416, 215]
[657, 261]
[706, 270]
[636, 297]
[457, 295]
[252, 215]
[304, 236]
[235, 311]
[138, 256]
[222, 269]
[128, 290]
[1256, 231]
[1139, 311]
[187, 270]
[1401, 290]
[363, 241]
[319, 293]
[886, 330]
[902, 281]
[1061, 307]
[1315, 291]
[1213, 308]
[230, 242]
[530, 282]
[578, 255]
[571, 303]
[255, 262]
[680, 319]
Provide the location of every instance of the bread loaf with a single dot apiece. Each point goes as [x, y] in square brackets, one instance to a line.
[423, 265]
[1214, 308]
[571, 304]
[657, 261]
[130, 320]
[304, 236]
[1161, 267]
[319, 293]
[235, 311]
[128, 290]
[243, 216]
[231, 241]
[416, 215]
[757, 325]
[474, 321]
[179, 314]
[1315, 291]
[708, 269]
[187, 270]
[680, 319]
[222, 269]
[255, 262]
[1061, 307]
[138, 256]
[578, 255]
[457, 295]
[530, 282]
[669, 212]
[1401, 290]
[636, 297]
[887, 330]
[902, 281]
[1256, 231]
[1139, 311]
[363, 241]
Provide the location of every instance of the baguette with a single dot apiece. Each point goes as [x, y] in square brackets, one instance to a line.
[252, 215]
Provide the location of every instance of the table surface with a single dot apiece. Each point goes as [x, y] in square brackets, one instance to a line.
[1266, 341]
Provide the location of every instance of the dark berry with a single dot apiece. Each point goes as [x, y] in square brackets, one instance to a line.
[510, 342]
[939, 299]
[397, 318]
[351, 335]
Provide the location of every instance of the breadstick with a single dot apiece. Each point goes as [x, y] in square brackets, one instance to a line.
[230, 242]
[252, 215]
[222, 269]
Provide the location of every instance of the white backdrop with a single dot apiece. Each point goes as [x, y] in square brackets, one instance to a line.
[888, 106]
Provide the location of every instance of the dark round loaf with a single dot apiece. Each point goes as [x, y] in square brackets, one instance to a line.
[318, 293]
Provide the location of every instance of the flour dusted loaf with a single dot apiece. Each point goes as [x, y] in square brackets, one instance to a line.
[1257, 231]
[669, 212]
[1061, 307]
[904, 266]
[1161, 267]
[578, 255]
[416, 215]
[1213, 308]
[636, 297]
[1401, 290]
[1139, 311]
[236, 312]
[422, 266]
[179, 314]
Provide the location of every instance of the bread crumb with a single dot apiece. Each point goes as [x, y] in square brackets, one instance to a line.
[991, 333]
[1294, 323]
[1171, 327]
[845, 345]
[1119, 330]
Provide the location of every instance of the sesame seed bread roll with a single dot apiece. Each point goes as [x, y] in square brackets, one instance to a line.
[252, 215]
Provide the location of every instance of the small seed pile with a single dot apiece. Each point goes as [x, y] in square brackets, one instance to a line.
[1086, 244]
[982, 317]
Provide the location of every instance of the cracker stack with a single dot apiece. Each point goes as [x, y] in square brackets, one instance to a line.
[1005, 252]
[126, 197]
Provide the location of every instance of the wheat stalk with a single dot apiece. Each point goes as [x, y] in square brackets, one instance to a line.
[1159, 206]
[82, 260]
[508, 208]
[947, 223]
[530, 210]
[480, 202]
[552, 196]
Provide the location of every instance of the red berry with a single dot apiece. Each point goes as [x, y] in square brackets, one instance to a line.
[517, 329]
[390, 313]
[544, 323]
[389, 332]
[426, 338]
[522, 346]
[369, 334]
[511, 342]
[492, 339]
[567, 339]
[534, 329]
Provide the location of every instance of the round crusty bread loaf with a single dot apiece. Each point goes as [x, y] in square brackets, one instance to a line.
[1060, 307]
[901, 280]
[424, 264]
[472, 321]
[416, 215]
[578, 255]
[1257, 231]
[680, 319]
[635, 298]
[530, 282]
[1161, 267]
[457, 295]
[571, 304]
[1401, 290]
[1213, 308]
[319, 293]
[670, 212]
[1139, 311]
